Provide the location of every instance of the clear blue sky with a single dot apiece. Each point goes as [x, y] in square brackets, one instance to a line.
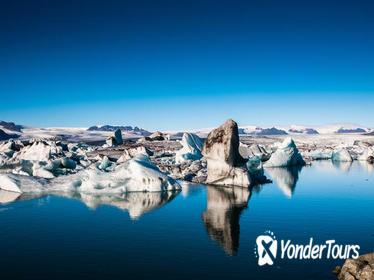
[186, 64]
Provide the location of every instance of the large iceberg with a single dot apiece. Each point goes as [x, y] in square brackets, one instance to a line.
[192, 146]
[286, 155]
[136, 174]
[225, 165]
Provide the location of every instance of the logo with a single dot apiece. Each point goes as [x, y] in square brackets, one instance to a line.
[267, 246]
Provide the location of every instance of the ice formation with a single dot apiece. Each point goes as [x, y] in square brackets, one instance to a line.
[342, 155]
[256, 170]
[136, 174]
[116, 139]
[224, 163]
[286, 155]
[192, 146]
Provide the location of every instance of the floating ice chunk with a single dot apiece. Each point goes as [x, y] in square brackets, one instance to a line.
[286, 155]
[159, 136]
[319, 155]
[41, 171]
[245, 151]
[342, 155]
[38, 151]
[28, 184]
[116, 139]
[9, 183]
[225, 166]
[255, 168]
[129, 153]
[105, 163]
[192, 146]
[7, 196]
[68, 163]
[260, 151]
[366, 154]
[136, 174]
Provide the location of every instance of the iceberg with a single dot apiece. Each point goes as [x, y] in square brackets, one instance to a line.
[286, 155]
[38, 151]
[318, 155]
[9, 184]
[366, 155]
[256, 170]
[116, 139]
[7, 196]
[192, 146]
[21, 183]
[136, 174]
[342, 155]
[225, 166]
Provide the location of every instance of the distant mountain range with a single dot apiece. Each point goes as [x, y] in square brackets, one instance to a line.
[11, 126]
[266, 131]
[338, 128]
[298, 129]
[130, 129]
[98, 133]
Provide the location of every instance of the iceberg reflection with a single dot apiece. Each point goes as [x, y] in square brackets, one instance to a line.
[285, 177]
[136, 203]
[344, 166]
[221, 218]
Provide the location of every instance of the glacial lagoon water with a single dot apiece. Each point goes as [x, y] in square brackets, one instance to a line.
[202, 232]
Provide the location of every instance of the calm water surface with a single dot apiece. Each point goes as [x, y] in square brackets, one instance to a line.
[201, 232]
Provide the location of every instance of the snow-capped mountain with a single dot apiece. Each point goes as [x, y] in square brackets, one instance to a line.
[100, 133]
[338, 128]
